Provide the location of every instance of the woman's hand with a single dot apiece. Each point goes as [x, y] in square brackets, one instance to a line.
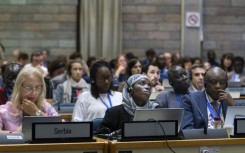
[29, 107]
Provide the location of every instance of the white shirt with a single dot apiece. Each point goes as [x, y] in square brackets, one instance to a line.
[43, 69]
[88, 108]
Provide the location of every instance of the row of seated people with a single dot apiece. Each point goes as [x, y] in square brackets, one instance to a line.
[29, 90]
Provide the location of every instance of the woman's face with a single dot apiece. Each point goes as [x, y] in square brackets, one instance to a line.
[122, 61]
[227, 62]
[136, 69]
[103, 79]
[76, 71]
[31, 88]
[141, 92]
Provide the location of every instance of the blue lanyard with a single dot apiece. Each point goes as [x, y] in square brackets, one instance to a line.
[178, 99]
[213, 114]
[108, 96]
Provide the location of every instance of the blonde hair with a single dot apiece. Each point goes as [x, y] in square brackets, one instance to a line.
[26, 71]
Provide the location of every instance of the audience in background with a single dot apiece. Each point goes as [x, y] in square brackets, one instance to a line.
[176, 59]
[206, 65]
[37, 61]
[212, 58]
[136, 94]
[45, 53]
[197, 72]
[78, 56]
[167, 59]
[134, 67]
[120, 68]
[93, 104]
[180, 82]
[23, 59]
[10, 73]
[15, 55]
[91, 60]
[186, 64]
[226, 62]
[130, 56]
[150, 57]
[69, 91]
[196, 60]
[28, 99]
[62, 77]
[161, 65]
[212, 102]
[56, 68]
[238, 74]
[152, 72]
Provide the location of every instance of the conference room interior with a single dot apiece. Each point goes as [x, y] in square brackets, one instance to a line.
[130, 37]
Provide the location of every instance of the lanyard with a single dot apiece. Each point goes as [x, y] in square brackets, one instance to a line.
[178, 99]
[108, 96]
[213, 114]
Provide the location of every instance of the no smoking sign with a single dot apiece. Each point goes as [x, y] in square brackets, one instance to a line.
[192, 19]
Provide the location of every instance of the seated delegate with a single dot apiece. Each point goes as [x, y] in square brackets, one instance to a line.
[27, 99]
[212, 102]
[136, 94]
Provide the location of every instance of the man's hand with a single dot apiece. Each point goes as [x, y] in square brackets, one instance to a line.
[226, 97]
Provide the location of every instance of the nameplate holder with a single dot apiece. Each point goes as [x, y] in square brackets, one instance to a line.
[239, 127]
[62, 132]
[12, 138]
[149, 130]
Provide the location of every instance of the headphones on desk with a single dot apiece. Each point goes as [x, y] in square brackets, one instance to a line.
[209, 69]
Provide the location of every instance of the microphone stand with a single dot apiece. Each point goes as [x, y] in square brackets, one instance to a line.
[199, 111]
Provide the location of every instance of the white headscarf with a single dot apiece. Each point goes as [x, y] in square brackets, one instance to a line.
[128, 102]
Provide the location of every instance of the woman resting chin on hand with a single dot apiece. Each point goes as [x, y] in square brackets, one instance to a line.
[27, 99]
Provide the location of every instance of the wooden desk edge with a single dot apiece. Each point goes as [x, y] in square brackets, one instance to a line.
[175, 143]
[98, 145]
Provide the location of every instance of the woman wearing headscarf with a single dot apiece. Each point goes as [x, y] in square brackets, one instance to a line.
[136, 94]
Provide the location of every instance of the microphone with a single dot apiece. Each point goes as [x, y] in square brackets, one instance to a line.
[199, 111]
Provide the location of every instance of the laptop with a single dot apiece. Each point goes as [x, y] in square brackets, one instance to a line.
[232, 113]
[28, 120]
[161, 114]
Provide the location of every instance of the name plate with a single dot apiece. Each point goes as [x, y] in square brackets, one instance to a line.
[239, 127]
[62, 131]
[150, 130]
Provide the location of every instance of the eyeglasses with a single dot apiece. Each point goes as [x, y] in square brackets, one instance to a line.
[29, 88]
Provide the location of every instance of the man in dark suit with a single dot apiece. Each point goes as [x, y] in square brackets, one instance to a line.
[212, 102]
[180, 82]
[197, 77]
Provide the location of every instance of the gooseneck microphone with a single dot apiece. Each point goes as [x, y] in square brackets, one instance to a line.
[199, 111]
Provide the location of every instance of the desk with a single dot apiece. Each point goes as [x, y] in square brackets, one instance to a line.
[101, 146]
[235, 145]
[67, 117]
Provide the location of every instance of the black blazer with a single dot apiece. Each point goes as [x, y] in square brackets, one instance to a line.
[114, 117]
